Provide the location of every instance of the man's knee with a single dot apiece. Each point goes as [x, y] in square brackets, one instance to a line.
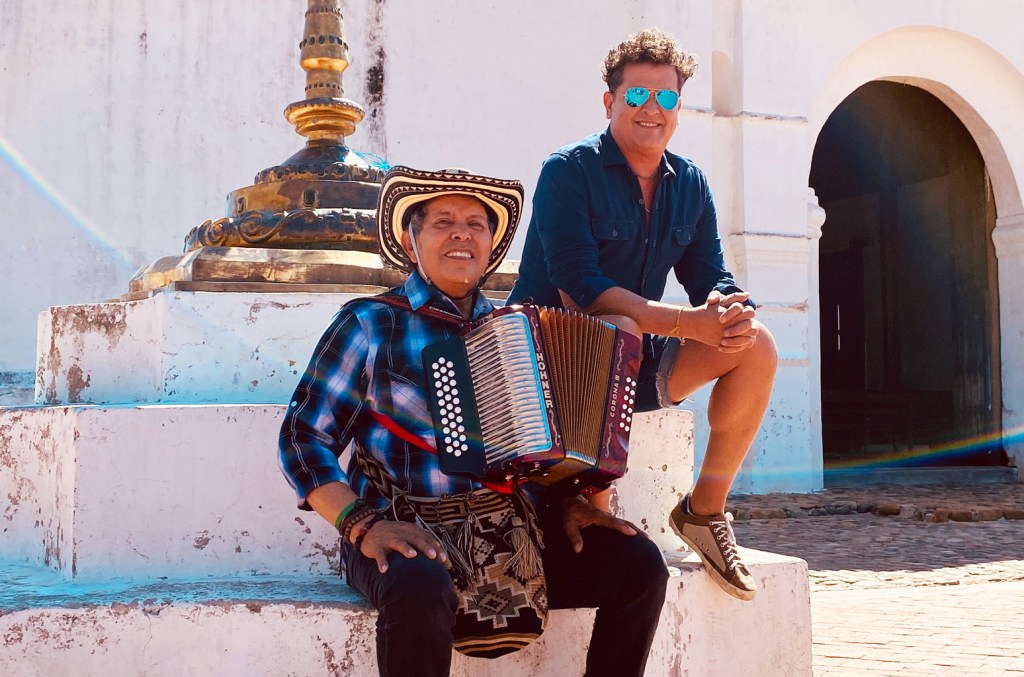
[641, 561]
[764, 348]
[649, 562]
[419, 582]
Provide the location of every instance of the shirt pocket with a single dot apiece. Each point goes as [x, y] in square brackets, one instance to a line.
[679, 238]
[613, 229]
[406, 389]
[684, 235]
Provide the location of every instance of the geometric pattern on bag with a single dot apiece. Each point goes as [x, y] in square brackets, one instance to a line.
[494, 544]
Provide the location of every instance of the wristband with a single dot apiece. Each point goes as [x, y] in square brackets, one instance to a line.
[345, 512]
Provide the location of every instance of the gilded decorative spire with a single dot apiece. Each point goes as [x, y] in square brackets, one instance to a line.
[324, 196]
[324, 115]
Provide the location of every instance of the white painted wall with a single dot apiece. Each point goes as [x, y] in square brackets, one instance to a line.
[123, 125]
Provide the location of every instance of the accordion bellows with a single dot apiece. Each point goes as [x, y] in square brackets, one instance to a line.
[538, 391]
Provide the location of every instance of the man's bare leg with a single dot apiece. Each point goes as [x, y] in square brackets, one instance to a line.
[738, 402]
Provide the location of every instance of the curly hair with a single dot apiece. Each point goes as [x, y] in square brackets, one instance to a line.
[648, 46]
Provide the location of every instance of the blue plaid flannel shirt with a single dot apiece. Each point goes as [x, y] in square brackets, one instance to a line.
[369, 358]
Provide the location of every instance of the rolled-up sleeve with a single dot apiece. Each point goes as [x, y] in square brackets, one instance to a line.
[324, 409]
[563, 225]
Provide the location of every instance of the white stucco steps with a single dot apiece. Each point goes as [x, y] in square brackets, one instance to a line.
[315, 625]
[180, 347]
[159, 490]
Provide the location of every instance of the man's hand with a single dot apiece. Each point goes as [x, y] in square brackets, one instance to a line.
[716, 298]
[404, 538]
[735, 319]
[578, 513]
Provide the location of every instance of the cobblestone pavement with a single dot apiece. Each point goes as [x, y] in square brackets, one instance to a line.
[897, 586]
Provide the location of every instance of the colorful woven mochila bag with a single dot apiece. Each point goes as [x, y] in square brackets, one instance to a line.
[493, 544]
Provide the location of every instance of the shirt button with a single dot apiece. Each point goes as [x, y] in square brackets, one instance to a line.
[646, 239]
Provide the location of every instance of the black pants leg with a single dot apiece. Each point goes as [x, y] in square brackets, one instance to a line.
[624, 577]
[416, 605]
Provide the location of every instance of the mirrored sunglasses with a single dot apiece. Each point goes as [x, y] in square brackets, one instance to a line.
[637, 96]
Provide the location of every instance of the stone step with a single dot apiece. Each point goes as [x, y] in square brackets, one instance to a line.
[310, 625]
[180, 347]
[175, 490]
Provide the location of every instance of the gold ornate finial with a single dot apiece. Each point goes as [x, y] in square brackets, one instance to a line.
[307, 222]
[324, 115]
[324, 196]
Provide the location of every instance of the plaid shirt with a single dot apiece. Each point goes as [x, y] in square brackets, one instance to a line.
[369, 358]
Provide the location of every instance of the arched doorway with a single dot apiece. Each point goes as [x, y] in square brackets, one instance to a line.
[907, 286]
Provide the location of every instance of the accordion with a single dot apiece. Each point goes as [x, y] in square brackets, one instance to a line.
[536, 392]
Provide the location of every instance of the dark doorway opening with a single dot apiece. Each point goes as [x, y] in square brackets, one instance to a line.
[908, 289]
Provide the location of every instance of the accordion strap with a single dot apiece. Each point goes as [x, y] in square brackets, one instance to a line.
[406, 436]
[427, 310]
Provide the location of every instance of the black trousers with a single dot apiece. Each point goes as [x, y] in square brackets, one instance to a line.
[624, 577]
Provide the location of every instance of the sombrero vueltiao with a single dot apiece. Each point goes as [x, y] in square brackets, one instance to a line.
[404, 187]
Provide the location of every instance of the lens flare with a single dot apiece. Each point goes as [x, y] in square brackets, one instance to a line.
[944, 452]
[49, 192]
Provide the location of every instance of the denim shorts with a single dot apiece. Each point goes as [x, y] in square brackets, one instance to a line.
[652, 382]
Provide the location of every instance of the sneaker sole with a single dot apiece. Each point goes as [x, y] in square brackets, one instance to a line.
[742, 595]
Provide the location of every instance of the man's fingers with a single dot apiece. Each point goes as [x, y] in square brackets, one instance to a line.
[737, 312]
[741, 328]
[714, 297]
[728, 299]
[572, 530]
[626, 528]
[608, 521]
[376, 553]
[427, 544]
[741, 341]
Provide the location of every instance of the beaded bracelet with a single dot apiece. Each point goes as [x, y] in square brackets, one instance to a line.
[369, 525]
[354, 518]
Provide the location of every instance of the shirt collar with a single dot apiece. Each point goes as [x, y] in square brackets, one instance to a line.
[611, 154]
[419, 293]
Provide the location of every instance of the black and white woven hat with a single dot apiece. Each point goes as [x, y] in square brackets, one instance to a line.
[404, 187]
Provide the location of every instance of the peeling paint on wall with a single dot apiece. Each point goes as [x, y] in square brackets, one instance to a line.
[374, 125]
[76, 383]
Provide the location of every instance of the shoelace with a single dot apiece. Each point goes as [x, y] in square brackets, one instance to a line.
[722, 531]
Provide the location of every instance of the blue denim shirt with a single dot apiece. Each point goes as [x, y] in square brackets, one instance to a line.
[588, 232]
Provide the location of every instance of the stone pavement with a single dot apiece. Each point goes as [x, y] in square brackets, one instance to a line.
[897, 586]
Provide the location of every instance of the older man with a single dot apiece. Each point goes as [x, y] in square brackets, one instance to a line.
[612, 215]
[366, 384]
